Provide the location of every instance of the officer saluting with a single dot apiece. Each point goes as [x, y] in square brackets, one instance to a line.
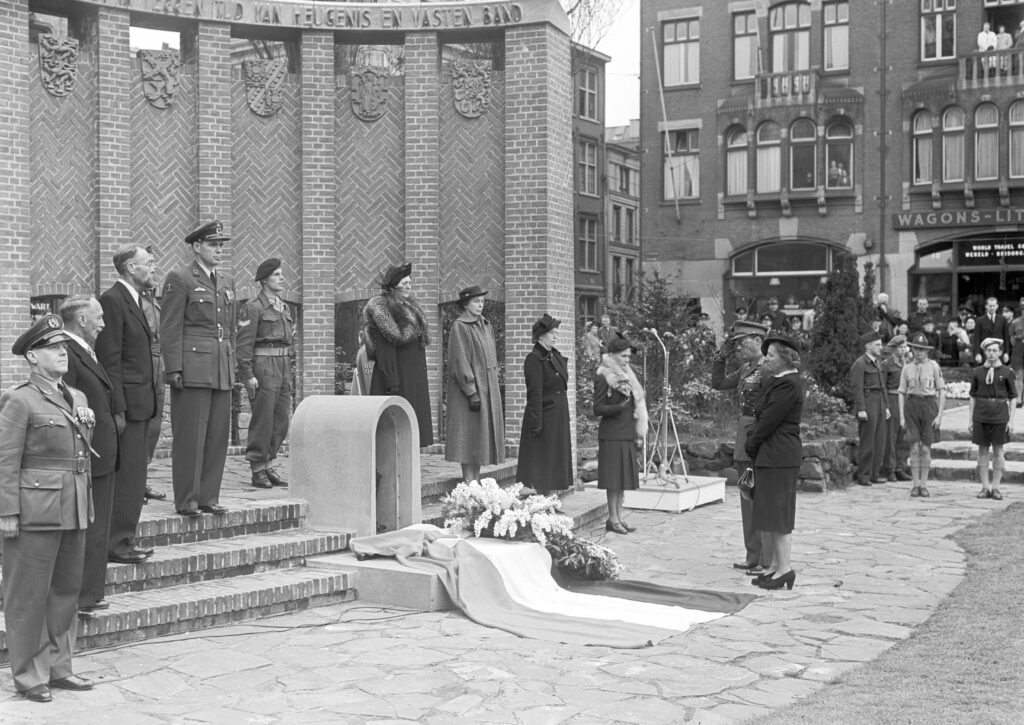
[264, 365]
[45, 507]
[196, 332]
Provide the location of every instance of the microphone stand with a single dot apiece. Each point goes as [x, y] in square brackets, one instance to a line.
[665, 419]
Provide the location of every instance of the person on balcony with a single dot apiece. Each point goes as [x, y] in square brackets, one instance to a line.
[1004, 41]
[987, 42]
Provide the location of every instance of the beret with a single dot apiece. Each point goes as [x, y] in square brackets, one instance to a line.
[267, 267]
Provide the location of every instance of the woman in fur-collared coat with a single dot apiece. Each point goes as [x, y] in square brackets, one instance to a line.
[398, 333]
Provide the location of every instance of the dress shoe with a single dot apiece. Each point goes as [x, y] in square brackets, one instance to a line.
[786, 580]
[923, 492]
[994, 494]
[891, 478]
[129, 558]
[744, 566]
[615, 527]
[39, 693]
[157, 495]
[191, 513]
[915, 492]
[863, 482]
[984, 493]
[72, 682]
[901, 476]
[101, 604]
[627, 527]
[213, 509]
[145, 551]
[877, 480]
[260, 479]
[275, 479]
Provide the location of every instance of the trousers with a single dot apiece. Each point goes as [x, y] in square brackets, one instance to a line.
[871, 449]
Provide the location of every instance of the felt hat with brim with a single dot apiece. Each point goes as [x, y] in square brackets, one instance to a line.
[395, 274]
[471, 292]
[545, 324]
[786, 340]
[618, 344]
[920, 341]
[267, 267]
[896, 341]
[747, 328]
[209, 232]
[868, 337]
[47, 330]
[990, 341]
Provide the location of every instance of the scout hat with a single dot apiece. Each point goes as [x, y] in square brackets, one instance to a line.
[545, 324]
[267, 267]
[869, 337]
[210, 232]
[920, 341]
[395, 274]
[989, 341]
[471, 292]
[786, 340]
[47, 330]
[748, 328]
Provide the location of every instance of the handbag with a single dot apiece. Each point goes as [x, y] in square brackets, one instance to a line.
[746, 484]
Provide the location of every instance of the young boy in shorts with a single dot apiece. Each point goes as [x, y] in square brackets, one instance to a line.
[922, 399]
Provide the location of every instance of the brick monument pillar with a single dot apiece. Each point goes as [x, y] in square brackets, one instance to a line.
[213, 123]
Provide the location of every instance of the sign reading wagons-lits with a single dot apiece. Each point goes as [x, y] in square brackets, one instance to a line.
[352, 16]
[957, 218]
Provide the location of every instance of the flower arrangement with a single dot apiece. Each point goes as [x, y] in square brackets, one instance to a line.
[483, 508]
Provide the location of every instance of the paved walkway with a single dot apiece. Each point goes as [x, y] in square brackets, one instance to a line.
[872, 564]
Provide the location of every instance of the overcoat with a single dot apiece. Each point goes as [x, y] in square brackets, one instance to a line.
[545, 447]
[473, 436]
[774, 439]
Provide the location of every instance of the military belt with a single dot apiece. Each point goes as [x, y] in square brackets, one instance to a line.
[271, 351]
[78, 464]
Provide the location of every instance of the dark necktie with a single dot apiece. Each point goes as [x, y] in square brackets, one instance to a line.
[213, 277]
[66, 394]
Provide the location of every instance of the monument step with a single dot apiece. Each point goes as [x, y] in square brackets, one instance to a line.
[434, 488]
[950, 469]
[179, 564]
[135, 616]
[961, 434]
[965, 450]
[160, 525]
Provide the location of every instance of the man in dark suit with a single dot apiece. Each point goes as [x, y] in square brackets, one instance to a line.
[43, 525]
[197, 336]
[123, 348]
[83, 321]
[870, 403]
[991, 324]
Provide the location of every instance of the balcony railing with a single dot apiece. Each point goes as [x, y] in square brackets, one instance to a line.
[992, 68]
[786, 88]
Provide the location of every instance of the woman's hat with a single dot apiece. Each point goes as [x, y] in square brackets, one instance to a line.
[618, 344]
[395, 274]
[920, 341]
[471, 292]
[786, 340]
[545, 324]
[267, 267]
[989, 341]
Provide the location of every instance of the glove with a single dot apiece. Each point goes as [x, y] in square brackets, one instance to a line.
[535, 432]
[474, 402]
[120, 423]
[174, 380]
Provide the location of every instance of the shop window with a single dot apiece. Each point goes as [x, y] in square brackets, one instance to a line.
[769, 158]
[790, 26]
[587, 244]
[798, 258]
[922, 147]
[1017, 140]
[736, 161]
[839, 155]
[986, 142]
[953, 145]
[837, 35]
[588, 168]
[682, 52]
[803, 156]
[744, 46]
[587, 94]
[938, 29]
[682, 165]
[45, 305]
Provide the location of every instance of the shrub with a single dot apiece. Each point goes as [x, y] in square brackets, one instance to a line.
[837, 325]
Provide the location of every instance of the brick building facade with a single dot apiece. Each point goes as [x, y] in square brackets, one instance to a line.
[453, 153]
[797, 129]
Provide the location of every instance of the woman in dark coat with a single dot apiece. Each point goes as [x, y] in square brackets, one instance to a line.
[475, 422]
[773, 443]
[619, 402]
[398, 334]
[545, 446]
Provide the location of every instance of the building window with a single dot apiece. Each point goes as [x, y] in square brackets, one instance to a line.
[736, 161]
[744, 46]
[837, 35]
[839, 155]
[625, 182]
[938, 29]
[682, 52]
[953, 145]
[790, 26]
[682, 166]
[630, 226]
[588, 168]
[986, 142]
[922, 148]
[803, 155]
[587, 257]
[1017, 140]
[617, 278]
[769, 158]
[616, 223]
[587, 310]
[587, 95]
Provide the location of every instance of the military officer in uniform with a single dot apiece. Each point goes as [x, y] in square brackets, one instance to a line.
[196, 336]
[151, 308]
[264, 348]
[45, 507]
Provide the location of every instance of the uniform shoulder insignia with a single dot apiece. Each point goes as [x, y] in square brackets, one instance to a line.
[168, 287]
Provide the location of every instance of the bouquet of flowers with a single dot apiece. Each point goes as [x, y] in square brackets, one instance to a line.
[958, 390]
[483, 508]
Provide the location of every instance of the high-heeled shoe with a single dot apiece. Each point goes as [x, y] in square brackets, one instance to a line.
[786, 580]
[627, 527]
[614, 527]
[757, 580]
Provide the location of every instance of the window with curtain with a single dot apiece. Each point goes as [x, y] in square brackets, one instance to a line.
[769, 158]
[790, 27]
[938, 29]
[588, 167]
[837, 35]
[736, 161]
[986, 142]
[839, 155]
[681, 52]
[1017, 140]
[953, 145]
[922, 147]
[744, 46]
[586, 94]
[803, 157]
[682, 166]
[587, 243]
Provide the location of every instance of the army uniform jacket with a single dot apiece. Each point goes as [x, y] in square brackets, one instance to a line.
[44, 458]
[259, 324]
[197, 326]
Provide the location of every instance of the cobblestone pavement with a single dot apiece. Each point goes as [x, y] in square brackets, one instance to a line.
[872, 564]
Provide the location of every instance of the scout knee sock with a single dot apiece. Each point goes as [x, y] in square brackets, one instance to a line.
[925, 465]
[915, 455]
[983, 467]
[998, 464]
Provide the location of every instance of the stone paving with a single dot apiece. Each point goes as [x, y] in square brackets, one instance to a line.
[872, 564]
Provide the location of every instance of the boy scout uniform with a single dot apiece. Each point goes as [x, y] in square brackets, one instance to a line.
[44, 481]
[196, 333]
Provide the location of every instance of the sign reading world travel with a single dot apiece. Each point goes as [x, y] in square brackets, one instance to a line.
[998, 251]
[957, 218]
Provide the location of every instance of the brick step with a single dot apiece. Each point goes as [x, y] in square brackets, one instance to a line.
[135, 616]
[161, 526]
[179, 564]
[967, 451]
[432, 491]
[963, 470]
